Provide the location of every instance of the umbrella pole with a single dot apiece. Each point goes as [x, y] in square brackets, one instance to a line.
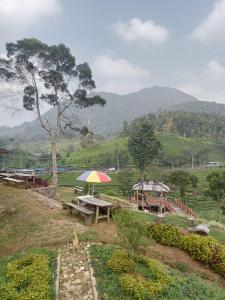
[93, 188]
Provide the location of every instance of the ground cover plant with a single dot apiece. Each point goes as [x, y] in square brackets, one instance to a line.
[29, 275]
[181, 286]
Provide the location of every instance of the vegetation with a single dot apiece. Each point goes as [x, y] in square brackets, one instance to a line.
[47, 74]
[143, 145]
[181, 285]
[28, 276]
[181, 179]
[130, 229]
[217, 188]
[188, 124]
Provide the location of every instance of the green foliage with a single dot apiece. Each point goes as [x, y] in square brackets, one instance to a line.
[182, 267]
[126, 179]
[199, 247]
[121, 262]
[217, 261]
[130, 228]
[134, 283]
[181, 285]
[143, 146]
[28, 277]
[194, 180]
[181, 179]
[217, 188]
[168, 235]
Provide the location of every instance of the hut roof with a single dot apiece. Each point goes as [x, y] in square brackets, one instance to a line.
[151, 186]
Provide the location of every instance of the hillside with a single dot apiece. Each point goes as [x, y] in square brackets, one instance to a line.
[199, 107]
[108, 120]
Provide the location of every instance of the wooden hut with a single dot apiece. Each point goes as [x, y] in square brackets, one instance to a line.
[150, 195]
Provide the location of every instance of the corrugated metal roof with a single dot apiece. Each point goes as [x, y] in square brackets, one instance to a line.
[152, 186]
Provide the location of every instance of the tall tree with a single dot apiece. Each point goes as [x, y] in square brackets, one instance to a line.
[50, 74]
[181, 179]
[143, 145]
[216, 190]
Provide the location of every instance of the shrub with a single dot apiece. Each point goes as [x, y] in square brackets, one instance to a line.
[132, 281]
[199, 247]
[130, 228]
[121, 262]
[27, 278]
[142, 288]
[217, 261]
[168, 235]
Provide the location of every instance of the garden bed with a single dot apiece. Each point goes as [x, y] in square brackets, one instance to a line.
[29, 275]
[180, 286]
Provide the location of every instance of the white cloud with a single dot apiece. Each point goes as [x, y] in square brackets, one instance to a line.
[213, 27]
[215, 70]
[119, 75]
[18, 15]
[136, 30]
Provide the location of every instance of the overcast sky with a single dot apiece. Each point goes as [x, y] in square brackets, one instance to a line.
[129, 44]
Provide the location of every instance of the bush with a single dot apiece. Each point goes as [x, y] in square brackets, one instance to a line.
[217, 261]
[133, 281]
[28, 278]
[130, 228]
[168, 235]
[199, 247]
[121, 262]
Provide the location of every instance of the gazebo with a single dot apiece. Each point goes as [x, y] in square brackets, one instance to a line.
[150, 195]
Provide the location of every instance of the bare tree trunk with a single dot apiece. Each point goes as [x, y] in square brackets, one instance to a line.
[54, 161]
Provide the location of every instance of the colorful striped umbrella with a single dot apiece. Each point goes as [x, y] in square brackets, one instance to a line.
[94, 177]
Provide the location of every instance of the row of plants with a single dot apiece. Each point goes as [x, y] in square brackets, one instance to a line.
[140, 276]
[28, 276]
[121, 275]
[202, 248]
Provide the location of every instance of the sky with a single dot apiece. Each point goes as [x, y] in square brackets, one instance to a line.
[129, 44]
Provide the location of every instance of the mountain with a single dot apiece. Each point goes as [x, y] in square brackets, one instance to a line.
[108, 120]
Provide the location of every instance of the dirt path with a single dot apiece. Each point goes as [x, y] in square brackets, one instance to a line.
[172, 256]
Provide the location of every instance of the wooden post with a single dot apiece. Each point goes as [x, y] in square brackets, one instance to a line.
[96, 214]
[108, 212]
[190, 221]
[160, 218]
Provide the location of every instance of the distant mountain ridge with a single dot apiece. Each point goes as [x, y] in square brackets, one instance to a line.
[108, 120]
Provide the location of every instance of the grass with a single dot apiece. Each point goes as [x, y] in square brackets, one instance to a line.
[183, 286]
[33, 225]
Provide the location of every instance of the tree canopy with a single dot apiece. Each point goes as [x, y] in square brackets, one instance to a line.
[50, 74]
[143, 145]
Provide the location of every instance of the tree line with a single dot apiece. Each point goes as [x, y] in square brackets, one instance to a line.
[210, 127]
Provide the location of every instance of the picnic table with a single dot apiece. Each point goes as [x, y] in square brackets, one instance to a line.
[97, 205]
[3, 175]
[16, 182]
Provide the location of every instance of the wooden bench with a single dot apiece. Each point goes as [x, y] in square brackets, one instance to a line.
[86, 213]
[78, 189]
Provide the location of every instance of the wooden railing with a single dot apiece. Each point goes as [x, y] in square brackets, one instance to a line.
[185, 208]
[154, 201]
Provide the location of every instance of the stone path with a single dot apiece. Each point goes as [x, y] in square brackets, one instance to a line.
[75, 279]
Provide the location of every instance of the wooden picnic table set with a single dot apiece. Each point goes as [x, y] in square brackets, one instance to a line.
[88, 206]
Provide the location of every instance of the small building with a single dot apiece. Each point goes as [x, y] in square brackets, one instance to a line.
[150, 195]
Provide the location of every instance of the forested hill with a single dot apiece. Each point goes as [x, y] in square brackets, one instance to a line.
[199, 107]
[210, 127]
